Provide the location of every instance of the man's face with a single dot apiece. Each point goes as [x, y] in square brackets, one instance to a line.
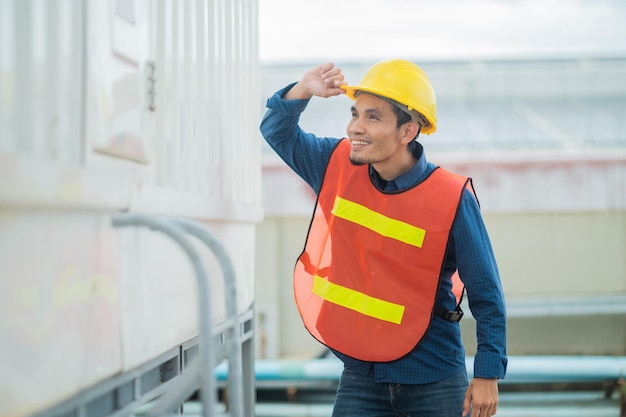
[374, 134]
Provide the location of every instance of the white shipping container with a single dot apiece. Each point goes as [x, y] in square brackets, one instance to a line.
[108, 107]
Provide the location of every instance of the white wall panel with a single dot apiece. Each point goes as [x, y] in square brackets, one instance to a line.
[117, 127]
[108, 106]
[206, 116]
[157, 295]
[41, 78]
[59, 311]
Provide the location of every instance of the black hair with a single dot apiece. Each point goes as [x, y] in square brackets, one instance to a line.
[402, 116]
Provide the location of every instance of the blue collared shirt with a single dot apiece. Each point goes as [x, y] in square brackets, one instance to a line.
[441, 353]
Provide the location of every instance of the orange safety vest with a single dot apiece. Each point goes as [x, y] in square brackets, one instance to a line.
[366, 282]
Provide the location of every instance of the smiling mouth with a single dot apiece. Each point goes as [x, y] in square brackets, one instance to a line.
[358, 143]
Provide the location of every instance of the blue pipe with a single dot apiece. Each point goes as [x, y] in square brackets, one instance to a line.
[521, 369]
[526, 369]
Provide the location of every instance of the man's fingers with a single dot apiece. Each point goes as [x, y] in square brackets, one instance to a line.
[467, 402]
[324, 68]
[481, 410]
[333, 78]
[336, 83]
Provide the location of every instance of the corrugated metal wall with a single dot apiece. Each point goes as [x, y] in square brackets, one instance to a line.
[110, 106]
[165, 55]
[41, 78]
[206, 55]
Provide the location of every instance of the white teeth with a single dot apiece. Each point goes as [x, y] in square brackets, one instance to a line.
[358, 142]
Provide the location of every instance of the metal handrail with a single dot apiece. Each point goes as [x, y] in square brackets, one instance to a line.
[232, 332]
[174, 228]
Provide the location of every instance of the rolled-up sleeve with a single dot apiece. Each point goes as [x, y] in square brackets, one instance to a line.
[306, 154]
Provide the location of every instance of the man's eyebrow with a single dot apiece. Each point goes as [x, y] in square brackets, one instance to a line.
[374, 111]
[368, 111]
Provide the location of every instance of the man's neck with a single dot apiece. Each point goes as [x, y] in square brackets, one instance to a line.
[389, 172]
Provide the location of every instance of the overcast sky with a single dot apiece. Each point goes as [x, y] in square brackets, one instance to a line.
[346, 30]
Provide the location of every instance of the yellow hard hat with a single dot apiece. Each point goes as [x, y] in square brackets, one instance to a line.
[403, 82]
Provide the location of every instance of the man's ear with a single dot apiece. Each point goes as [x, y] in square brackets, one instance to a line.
[409, 131]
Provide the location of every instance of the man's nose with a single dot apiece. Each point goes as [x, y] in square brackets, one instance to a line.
[355, 125]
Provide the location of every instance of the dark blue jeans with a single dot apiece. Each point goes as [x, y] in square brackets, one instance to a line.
[359, 396]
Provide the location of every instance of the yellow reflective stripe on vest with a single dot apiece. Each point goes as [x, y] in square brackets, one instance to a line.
[357, 301]
[379, 223]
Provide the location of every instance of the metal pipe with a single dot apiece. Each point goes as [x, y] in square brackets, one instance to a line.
[232, 332]
[208, 384]
[524, 369]
[521, 369]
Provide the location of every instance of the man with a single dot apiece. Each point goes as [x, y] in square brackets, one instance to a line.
[390, 231]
